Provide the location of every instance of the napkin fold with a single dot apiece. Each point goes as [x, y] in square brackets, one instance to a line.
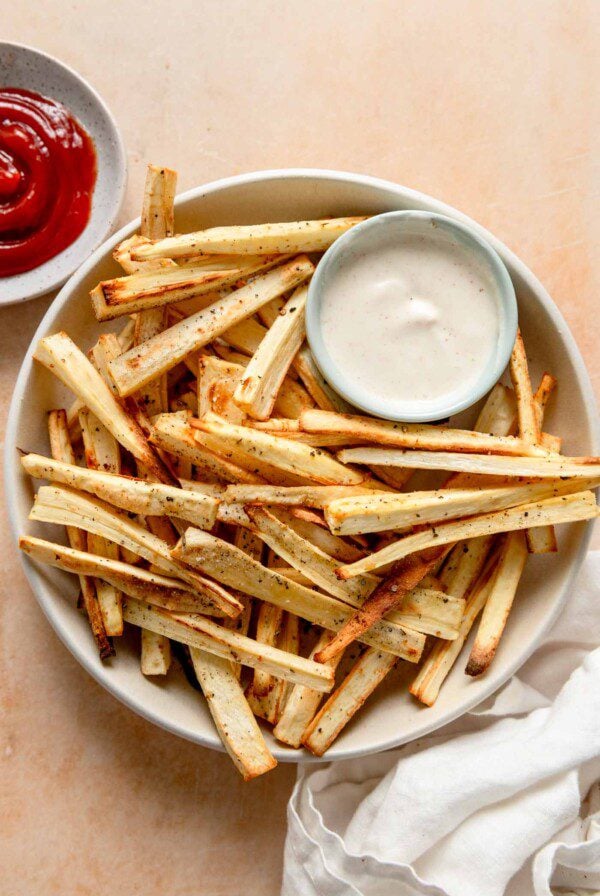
[504, 800]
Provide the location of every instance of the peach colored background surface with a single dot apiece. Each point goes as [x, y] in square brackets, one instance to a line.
[491, 106]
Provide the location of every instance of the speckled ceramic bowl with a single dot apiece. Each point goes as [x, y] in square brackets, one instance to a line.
[390, 717]
[33, 70]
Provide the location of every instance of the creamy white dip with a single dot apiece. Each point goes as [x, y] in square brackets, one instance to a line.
[413, 319]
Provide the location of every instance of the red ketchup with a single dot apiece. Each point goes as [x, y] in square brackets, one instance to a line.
[47, 177]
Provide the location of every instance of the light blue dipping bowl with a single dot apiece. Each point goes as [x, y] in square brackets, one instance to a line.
[395, 226]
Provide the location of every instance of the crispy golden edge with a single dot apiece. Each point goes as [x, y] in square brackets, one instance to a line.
[498, 605]
[228, 565]
[140, 365]
[563, 509]
[61, 449]
[366, 674]
[231, 714]
[418, 436]
[199, 631]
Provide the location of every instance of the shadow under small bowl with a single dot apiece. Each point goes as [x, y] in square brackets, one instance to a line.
[392, 228]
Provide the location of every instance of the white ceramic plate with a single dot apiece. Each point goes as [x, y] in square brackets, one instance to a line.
[31, 69]
[391, 716]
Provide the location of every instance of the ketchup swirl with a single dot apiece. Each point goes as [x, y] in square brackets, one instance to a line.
[47, 177]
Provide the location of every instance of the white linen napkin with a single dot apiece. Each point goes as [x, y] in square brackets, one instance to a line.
[489, 805]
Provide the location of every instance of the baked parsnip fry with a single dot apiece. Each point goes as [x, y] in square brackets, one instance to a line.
[318, 535]
[405, 577]
[62, 357]
[290, 429]
[542, 540]
[551, 467]
[173, 433]
[268, 624]
[305, 367]
[530, 414]
[228, 262]
[380, 512]
[198, 631]
[180, 285]
[499, 603]
[240, 454]
[250, 544]
[267, 697]
[290, 641]
[102, 453]
[218, 380]
[237, 727]
[499, 413]
[443, 655]
[153, 588]
[232, 567]
[543, 392]
[155, 653]
[135, 495]
[564, 509]
[252, 239]
[157, 221]
[461, 573]
[139, 365]
[272, 704]
[245, 336]
[368, 671]
[291, 457]
[308, 559]
[122, 255]
[302, 703]
[153, 398]
[528, 421]
[417, 435]
[464, 565]
[147, 290]
[292, 496]
[423, 610]
[263, 377]
[125, 339]
[57, 504]
[62, 450]
[316, 384]
[158, 205]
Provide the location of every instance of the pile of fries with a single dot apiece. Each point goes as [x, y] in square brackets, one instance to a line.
[220, 497]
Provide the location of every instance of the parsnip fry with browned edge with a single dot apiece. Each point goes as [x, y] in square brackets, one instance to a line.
[231, 714]
[62, 450]
[198, 631]
[62, 357]
[139, 365]
[263, 377]
[232, 567]
[369, 670]
[564, 509]
[416, 435]
[499, 603]
[255, 239]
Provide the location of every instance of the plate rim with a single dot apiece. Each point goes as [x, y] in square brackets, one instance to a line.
[281, 753]
[104, 234]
